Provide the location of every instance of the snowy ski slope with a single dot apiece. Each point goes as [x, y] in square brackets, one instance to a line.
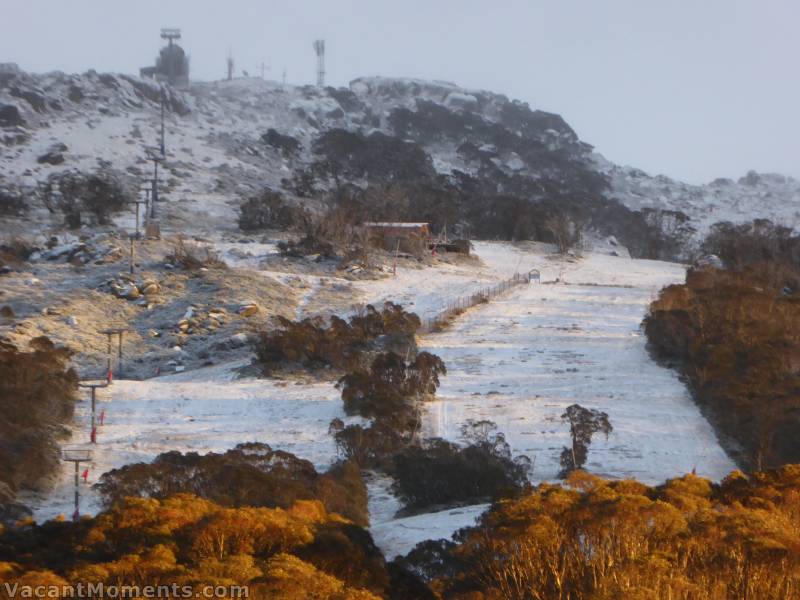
[518, 361]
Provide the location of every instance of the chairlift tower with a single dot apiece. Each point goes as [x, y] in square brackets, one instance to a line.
[110, 333]
[155, 155]
[138, 202]
[319, 48]
[93, 387]
[163, 130]
[76, 456]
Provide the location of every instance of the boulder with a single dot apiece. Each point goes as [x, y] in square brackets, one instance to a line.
[248, 310]
[61, 251]
[113, 254]
[10, 115]
[72, 321]
[239, 339]
[75, 93]
[36, 99]
[150, 288]
[54, 155]
[130, 292]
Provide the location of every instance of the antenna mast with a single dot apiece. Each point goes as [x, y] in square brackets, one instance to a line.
[319, 48]
[230, 65]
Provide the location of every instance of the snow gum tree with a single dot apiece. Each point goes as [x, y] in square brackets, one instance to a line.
[583, 424]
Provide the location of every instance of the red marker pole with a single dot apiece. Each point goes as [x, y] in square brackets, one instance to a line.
[85, 476]
[94, 435]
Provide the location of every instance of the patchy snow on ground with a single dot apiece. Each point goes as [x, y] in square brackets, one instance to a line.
[519, 360]
[206, 410]
[426, 291]
[398, 537]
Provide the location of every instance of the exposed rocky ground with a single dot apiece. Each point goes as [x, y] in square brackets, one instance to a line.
[478, 159]
[177, 318]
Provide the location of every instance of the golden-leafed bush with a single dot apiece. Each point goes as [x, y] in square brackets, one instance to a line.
[600, 539]
[189, 541]
[736, 336]
[251, 474]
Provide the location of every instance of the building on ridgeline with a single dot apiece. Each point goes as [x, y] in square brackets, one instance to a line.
[172, 64]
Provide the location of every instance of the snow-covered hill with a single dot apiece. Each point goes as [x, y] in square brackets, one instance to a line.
[226, 140]
[754, 195]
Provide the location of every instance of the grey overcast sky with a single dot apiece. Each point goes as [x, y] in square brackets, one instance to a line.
[695, 89]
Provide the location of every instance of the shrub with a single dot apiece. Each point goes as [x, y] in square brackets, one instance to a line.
[439, 472]
[287, 145]
[100, 194]
[251, 474]
[15, 251]
[759, 241]
[391, 389]
[376, 156]
[336, 234]
[288, 553]
[12, 202]
[369, 447]
[734, 335]
[269, 210]
[688, 538]
[315, 343]
[193, 256]
[37, 396]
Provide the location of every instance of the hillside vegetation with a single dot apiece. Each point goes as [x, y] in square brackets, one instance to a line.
[37, 399]
[591, 540]
[599, 539]
[299, 552]
[735, 334]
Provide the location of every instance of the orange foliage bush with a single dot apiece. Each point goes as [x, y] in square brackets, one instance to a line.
[599, 539]
[188, 541]
[736, 337]
[250, 474]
